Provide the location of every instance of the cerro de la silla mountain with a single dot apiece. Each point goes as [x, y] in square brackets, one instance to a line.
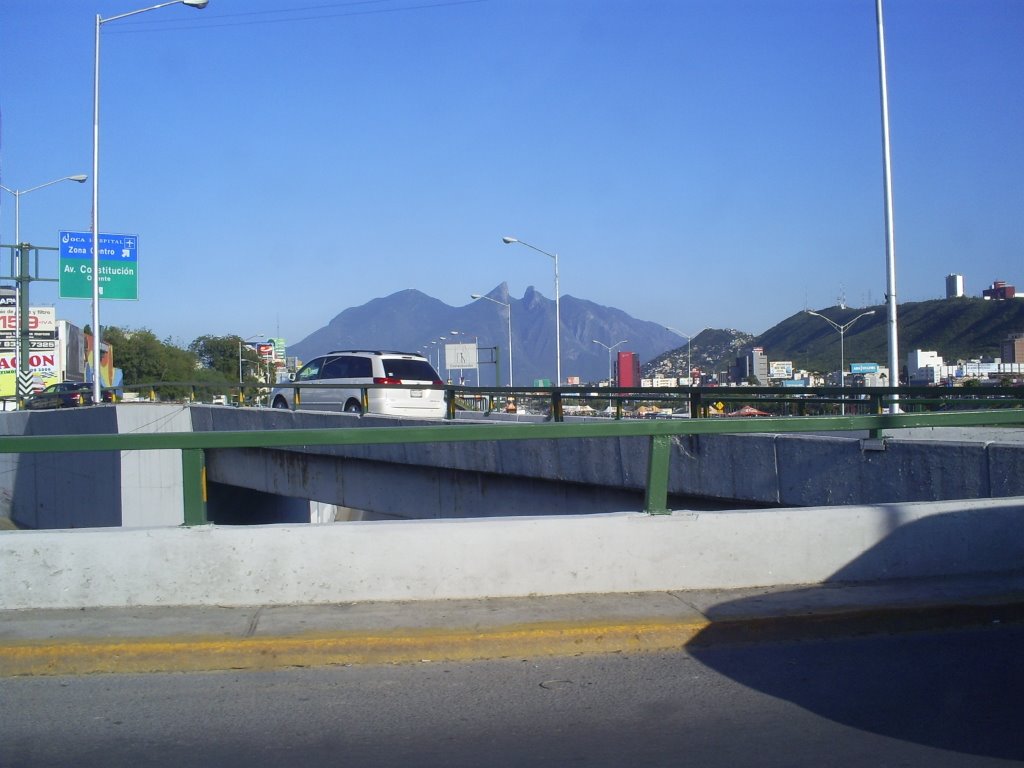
[411, 321]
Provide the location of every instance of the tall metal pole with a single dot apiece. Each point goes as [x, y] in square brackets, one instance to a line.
[23, 278]
[96, 339]
[610, 348]
[97, 395]
[508, 309]
[890, 238]
[689, 340]
[558, 329]
[842, 350]
[558, 293]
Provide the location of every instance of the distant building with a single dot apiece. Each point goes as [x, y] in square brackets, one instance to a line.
[1012, 349]
[954, 286]
[627, 369]
[754, 365]
[924, 367]
[999, 291]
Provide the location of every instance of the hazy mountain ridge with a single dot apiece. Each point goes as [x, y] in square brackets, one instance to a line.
[409, 320]
[957, 329]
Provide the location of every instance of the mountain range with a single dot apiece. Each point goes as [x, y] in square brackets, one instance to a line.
[411, 321]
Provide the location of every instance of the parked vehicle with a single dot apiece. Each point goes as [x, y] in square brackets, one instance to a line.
[349, 371]
[65, 394]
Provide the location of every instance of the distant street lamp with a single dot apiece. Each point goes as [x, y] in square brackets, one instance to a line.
[613, 346]
[842, 349]
[242, 341]
[558, 322]
[437, 343]
[19, 353]
[689, 371]
[508, 309]
[96, 393]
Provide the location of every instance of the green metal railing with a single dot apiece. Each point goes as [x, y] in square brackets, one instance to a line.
[660, 433]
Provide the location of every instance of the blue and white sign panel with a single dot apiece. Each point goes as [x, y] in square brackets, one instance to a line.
[118, 266]
[863, 367]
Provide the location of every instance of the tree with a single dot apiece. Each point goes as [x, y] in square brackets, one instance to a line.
[143, 358]
[221, 354]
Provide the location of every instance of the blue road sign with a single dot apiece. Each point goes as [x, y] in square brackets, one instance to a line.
[118, 266]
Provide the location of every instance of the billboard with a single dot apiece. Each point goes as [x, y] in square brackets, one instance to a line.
[782, 369]
[42, 322]
[863, 367]
[279, 347]
[43, 364]
[460, 356]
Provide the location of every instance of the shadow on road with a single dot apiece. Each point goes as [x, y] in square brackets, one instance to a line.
[957, 691]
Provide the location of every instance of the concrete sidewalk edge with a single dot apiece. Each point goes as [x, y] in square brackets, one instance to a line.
[185, 653]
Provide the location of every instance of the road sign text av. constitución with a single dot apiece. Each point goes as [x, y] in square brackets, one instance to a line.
[118, 266]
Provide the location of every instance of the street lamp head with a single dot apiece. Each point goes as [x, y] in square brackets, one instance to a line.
[508, 240]
[197, 4]
[80, 178]
[474, 296]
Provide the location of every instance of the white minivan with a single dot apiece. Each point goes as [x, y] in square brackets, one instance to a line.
[340, 377]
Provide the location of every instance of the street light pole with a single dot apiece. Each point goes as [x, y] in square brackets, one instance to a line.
[20, 355]
[689, 370]
[242, 341]
[508, 308]
[96, 384]
[842, 350]
[613, 346]
[890, 235]
[438, 341]
[558, 322]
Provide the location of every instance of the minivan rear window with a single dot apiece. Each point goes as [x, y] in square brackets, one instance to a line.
[408, 370]
[348, 367]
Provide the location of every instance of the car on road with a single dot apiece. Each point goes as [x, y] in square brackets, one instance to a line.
[65, 394]
[388, 378]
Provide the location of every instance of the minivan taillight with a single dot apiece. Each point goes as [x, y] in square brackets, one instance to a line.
[385, 380]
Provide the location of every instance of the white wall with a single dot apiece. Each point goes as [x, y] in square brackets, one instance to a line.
[473, 558]
[151, 481]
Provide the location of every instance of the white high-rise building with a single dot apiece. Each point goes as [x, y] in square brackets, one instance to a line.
[954, 286]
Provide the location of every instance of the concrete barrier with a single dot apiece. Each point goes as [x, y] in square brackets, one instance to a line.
[504, 557]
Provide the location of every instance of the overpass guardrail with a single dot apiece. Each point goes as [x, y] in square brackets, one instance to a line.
[625, 402]
[660, 433]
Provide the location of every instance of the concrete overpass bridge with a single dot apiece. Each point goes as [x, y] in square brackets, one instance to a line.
[763, 464]
[776, 502]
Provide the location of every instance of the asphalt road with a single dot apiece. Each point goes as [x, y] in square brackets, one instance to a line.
[917, 699]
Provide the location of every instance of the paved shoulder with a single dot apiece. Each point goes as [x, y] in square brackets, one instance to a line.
[160, 639]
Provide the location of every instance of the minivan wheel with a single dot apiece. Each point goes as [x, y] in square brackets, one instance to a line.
[280, 402]
[353, 407]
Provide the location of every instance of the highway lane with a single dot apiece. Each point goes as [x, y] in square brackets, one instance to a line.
[919, 699]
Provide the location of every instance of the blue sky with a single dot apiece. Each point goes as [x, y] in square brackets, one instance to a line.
[697, 163]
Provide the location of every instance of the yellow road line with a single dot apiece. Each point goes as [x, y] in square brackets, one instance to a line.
[192, 654]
